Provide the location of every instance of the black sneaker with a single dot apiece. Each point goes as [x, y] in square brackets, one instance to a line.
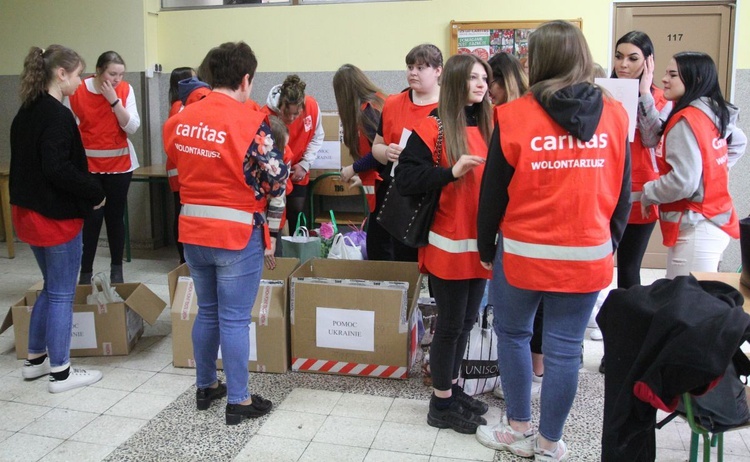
[479, 408]
[601, 366]
[259, 407]
[204, 396]
[456, 417]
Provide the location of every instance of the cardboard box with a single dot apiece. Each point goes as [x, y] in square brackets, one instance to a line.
[112, 330]
[333, 154]
[269, 331]
[355, 317]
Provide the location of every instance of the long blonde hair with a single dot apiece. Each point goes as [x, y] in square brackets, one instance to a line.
[454, 96]
[558, 58]
[352, 88]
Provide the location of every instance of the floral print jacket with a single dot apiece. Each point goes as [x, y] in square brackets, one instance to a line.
[266, 173]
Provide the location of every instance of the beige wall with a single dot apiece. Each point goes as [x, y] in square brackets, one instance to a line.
[286, 38]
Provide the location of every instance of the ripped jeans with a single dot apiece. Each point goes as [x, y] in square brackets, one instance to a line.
[698, 248]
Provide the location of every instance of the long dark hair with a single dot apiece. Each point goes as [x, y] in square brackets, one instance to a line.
[352, 88]
[639, 39]
[698, 73]
[179, 73]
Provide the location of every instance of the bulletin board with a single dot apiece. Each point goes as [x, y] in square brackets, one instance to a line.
[485, 38]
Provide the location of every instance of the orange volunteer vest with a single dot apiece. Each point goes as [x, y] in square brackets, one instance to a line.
[400, 112]
[105, 142]
[370, 178]
[643, 168]
[717, 204]
[208, 141]
[555, 232]
[451, 251]
[301, 132]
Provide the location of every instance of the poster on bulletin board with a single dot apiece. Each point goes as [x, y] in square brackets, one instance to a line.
[485, 38]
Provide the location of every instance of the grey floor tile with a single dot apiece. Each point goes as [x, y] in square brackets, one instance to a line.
[292, 425]
[362, 406]
[314, 401]
[377, 455]
[123, 379]
[92, 399]
[140, 406]
[77, 451]
[347, 431]
[408, 411]
[170, 385]
[109, 429]
[59, 423]
[26, 448]
[406, 438]
[18, 415]
[322, 452]
[271, 449]
[455, 445]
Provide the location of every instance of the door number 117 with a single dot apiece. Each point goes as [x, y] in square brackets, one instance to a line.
[674, 37]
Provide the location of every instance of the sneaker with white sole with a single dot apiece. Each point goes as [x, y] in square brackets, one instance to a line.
[34, 371]
[560, 453]
[536, 388]
[76, 378]
[596, 334]
[502, 437]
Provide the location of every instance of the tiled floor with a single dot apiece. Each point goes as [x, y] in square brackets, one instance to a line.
[313, 421]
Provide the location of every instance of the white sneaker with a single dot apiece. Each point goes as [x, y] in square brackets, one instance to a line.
[559, 454]
[536, 388]
[77, 378]
[502, 437]
[34, 371]
[596, 334]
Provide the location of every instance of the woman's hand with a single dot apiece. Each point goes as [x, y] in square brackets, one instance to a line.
[645, 210]
[270, 260]
[108, 91]
[392, 151]
[465, 164]
[486, 265]
[647, 77]
[356, 181]
[298, 172]
[347, 173]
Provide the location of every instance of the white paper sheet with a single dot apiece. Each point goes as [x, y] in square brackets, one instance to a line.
[345, 329]
[405, 134]
[626, 92]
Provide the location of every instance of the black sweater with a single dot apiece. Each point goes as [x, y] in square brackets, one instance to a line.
[48, 168]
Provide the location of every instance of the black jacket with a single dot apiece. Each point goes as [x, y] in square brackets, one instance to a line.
[48, 168]
[662, 340]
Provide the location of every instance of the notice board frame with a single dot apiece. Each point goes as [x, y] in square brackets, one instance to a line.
[457, 26]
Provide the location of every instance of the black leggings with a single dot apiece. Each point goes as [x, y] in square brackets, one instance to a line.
[630, 254]
[457, 309]
[295, 203]
[115, 187]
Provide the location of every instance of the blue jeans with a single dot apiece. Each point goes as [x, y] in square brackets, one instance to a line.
[52, 316]
[226, 283]
[565, 318]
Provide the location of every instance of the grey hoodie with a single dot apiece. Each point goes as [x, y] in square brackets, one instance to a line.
[684, 156]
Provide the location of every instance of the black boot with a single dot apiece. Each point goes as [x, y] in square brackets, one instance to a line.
[115, 274]
[85, 278]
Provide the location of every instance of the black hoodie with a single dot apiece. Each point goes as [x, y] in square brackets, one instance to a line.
[577, 109]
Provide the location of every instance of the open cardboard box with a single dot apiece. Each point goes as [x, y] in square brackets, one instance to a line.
[355, 317]
[112, 329]
[269, 331]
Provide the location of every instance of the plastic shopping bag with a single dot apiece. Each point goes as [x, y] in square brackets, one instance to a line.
[479, 369]
[102, 291]
[343, 248]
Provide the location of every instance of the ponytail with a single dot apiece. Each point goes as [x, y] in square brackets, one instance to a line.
[39, 69]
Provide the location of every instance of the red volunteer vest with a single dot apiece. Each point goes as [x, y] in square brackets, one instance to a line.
[643, 168]
[105, 142]
[400, 112]
[717, 204]
[301, 132]
[451, 252]
[556, 234]
[208, 141]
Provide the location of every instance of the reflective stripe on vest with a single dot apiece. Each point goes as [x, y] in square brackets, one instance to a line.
[217, 212]
[635, 196]
[369, 189]
[670, 217]
[452, 246]
[107, 152]
[172, 172]
[557, 252]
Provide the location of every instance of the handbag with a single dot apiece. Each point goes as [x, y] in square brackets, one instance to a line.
[479, 371]
[102, 292]
[409, 218]
[343, 248]
[300, 244]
